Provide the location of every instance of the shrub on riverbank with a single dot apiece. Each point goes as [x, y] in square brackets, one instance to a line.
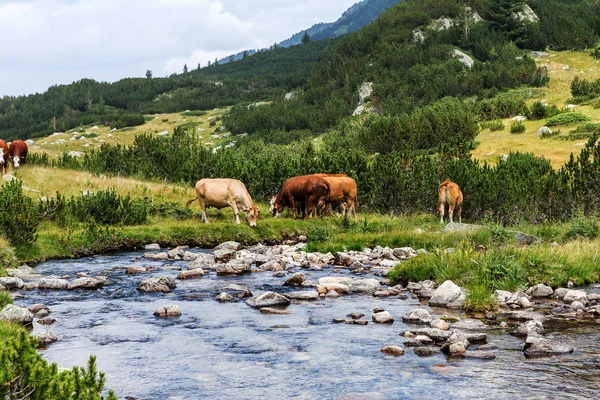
[25, 374]
[19, 217]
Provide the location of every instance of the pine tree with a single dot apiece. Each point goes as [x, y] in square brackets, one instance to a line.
[148, 74]
[305, 38]
[185, 69]
[502, 16]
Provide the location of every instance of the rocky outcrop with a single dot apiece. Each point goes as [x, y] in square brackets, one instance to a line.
[464, 58]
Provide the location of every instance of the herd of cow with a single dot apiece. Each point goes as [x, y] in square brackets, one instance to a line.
[16, 152]
[310, 194]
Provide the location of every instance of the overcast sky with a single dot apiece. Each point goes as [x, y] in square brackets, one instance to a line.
[48, 42]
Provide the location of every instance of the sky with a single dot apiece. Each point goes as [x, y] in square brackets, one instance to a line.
[49, 42]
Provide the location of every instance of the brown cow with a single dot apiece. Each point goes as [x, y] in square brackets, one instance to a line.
[3, 157]
[342, 189]
[220, 193]
[310, 189]
[17, 152]
[449, 194]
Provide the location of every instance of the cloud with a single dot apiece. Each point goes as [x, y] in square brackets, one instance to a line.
[46, 42]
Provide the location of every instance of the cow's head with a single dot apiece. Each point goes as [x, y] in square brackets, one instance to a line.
[16, 160]
[276, 208]
[251, 215]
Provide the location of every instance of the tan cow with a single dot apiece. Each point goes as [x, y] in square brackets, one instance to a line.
[220, 193]
[342, 189]
[449, 194]
[3, 157]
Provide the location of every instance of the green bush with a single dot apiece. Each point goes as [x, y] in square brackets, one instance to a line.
[19, 218]
[7, 256]
[583, 227]
[493, 126]
[517, 127]
[567, 118]
[193, 113]
[109, 208]
[538, 110]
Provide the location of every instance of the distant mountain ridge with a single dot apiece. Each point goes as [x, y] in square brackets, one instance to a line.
[354, 18]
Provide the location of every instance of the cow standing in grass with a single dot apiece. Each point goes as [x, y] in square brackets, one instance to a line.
[3, 157]
[220, 193]
[449, 194]
[310, 189]
[343, 190]
[17, 152]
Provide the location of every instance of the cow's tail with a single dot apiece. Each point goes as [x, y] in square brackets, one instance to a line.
[187, 205]
[445, 183]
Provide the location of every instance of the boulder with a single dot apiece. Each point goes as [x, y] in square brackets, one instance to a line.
[11, 283]
[544, 131]
[46, 338]
[383, 317]
[15, 314]
[526, 316]
[479, 355]
[523, 239]
[157, 284]
[157, 256]
[202, 260]
[295, 280]
[470, 324]
[560, 293]
[530, 327]
[189, 256]
[368, 286]
[575, 295]
[177, 253]
[426, 351]
[502, 296]
[191, 274]
[392, 350]
[439, 324]
[448, 294]
[152, 246]
[538, 346]
[136, 270]
[418, 316]
[540, 290]
[268, 299]
[271, 265]
[168, 311]
[85, 283]
[225, 297]
[239, 291]
[456, 344]
[34, 309]
[233, 267]
[303, 295]
[230, 245]
[53, 284]
[224, 255]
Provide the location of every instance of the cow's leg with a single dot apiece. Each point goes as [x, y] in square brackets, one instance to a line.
[451, 210]
[236, 217]
[293, 207]
[442, 209]
[459, 210]
[202, 202]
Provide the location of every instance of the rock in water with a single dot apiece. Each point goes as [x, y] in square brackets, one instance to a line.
[537, 346]
[168, 311]
[157, 284]
[393, 350]
[225, 297]
[85, 283]
[53, 284]
[46, 338]
[448, 294]
[418, 316]
[15, 314]
[383, 317]
[268, 299]
[191, 274]
[295, 280]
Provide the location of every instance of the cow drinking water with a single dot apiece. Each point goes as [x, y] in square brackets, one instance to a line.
[220, 193]
[449, 194]
[17, 152]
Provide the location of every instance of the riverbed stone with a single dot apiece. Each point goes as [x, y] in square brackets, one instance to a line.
[530, 327]
[355, 315]
[540, 290]
[225, 297]
[577, 305]
[392, 350]
[560, 293]
[15, 314]
[502, 296]
[448, 294]
[24, 271]
[229, 245]
[475, 337]
[171, 310]
[53, 284]
[274, 311]
[36, 308]
[479, 355]
[233, 267]
[157, 284]
[350, 321]
[46, 338]
[177, 253]
[85, 283]
[575, 295]
[163, 256]
[272, 265]
[415, 286]
[46, 321]
[152, 246]
[526, 316]
[383, 317]
[239, 291]
[456, 344]
[136, 270]
[426, 351]
[268, 299]
[11, 283]
[191, 274]
[470, 324]
[332, 294]
[418, 316]
[295, 280]
[303, 295]
[224, 255]
[336, 287]
[189, 256]
[368, 286]
[202, 260]
[439, 324]
[538, 346]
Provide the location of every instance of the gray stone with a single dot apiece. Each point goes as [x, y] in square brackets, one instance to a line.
[538, 346]
[34, 309]
[355, 315]
[456, 344]
[530, 327]
[46, 338]
[502, 296]
[224, 255]
[392, 350]
[191, 274]
[85, 283]
[560, 293]
[435, 334]
[230, 245]
[448, 294]
[466, 228]
[272, 265]
[304, 295]
[526, 316]
[275, 311]
[152, 246]
[427, 351]
[439, 324]
[350, 321]
[577, 305]
[225, 297]
[575, 295]
[418, 316]
[268, 299]
[15, 314]
[136, 270]
[464, 59]
[157, 256]
[295, 280]
[332, 294]
[383, 317]
[368, 286]
[189, 256]
[239, 291]
[233, 267]
[479, 355]
[470, 324]
[157, 284]
[53, 284]
[540, 290]
[202, 260]
[46, 321]
[475, 337]
[404, 253]
[172, 310]
[11, 283]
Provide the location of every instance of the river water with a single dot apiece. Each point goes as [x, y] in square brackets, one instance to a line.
[230, 350]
